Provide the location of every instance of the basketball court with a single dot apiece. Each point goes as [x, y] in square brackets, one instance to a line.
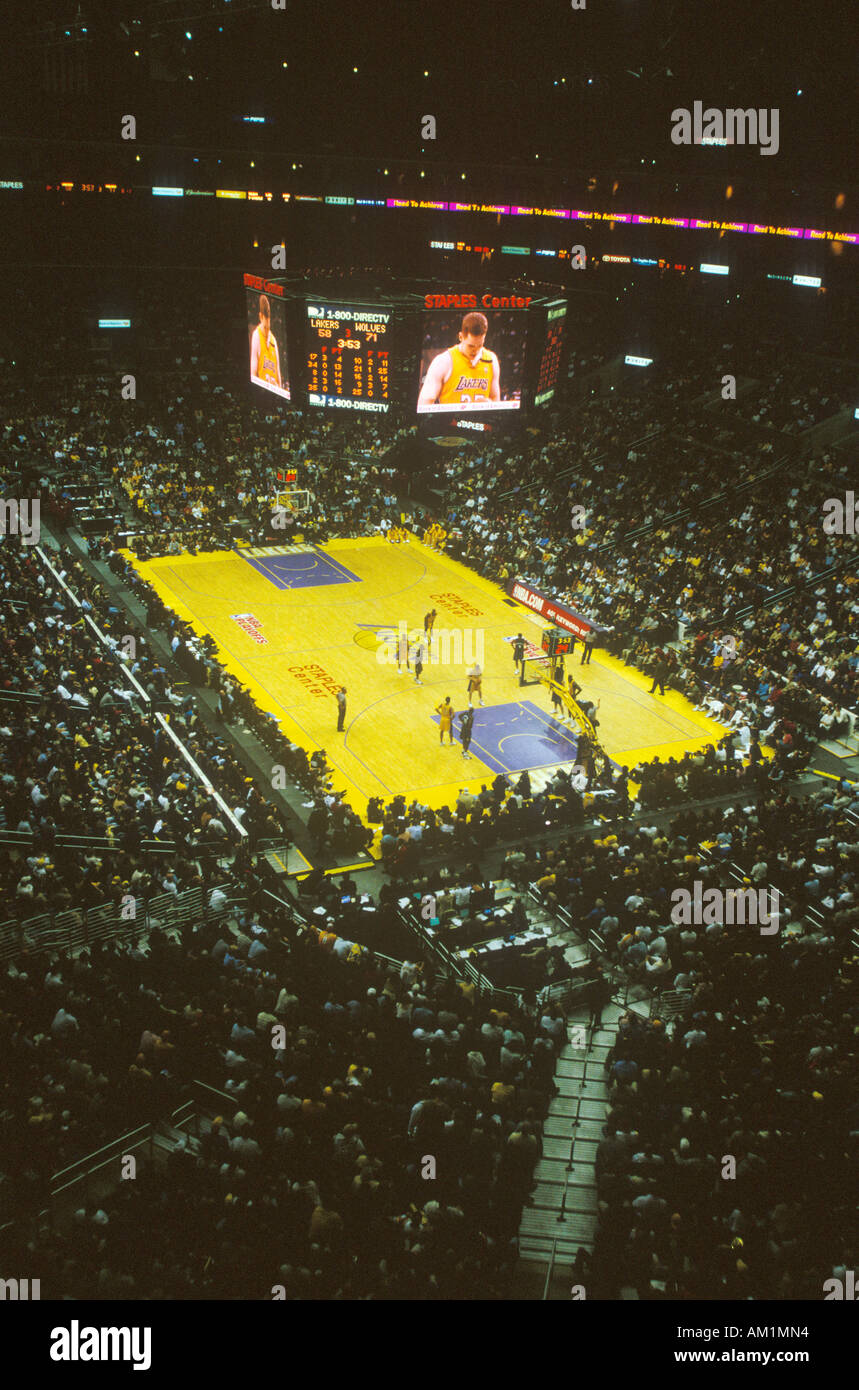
[293, 623]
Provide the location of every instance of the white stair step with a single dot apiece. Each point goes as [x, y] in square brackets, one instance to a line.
[553, 1173]
[572, 1067]
[593, 1110]
[540, 1252]
[563, 1106]
[548, 1196]
[574, 1227]
[591, 1129]
[556, 1146]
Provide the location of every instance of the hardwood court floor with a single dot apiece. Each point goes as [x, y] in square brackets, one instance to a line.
[293, 623]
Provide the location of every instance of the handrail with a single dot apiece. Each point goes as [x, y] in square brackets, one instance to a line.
[460, 968]
[296, 911]
[573, 1127]
[96, 1153]
[95, 842]
[736, 872]
[828, 572]
[287, 903]
[549, 1271]
[224, 1098]
[739, 488]
[76, 929]
[129, 678]
[90, 1163]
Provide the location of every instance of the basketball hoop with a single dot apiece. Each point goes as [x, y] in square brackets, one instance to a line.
[293, 500]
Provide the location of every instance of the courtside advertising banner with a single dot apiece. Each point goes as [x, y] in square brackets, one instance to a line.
[550, 609]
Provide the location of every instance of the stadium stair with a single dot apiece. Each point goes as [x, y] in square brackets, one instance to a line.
[843, 748]
[276, 862]
[561, 1214]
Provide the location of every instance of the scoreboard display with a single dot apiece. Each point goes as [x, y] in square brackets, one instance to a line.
[471, 358]
[553, 346]
[348, 352]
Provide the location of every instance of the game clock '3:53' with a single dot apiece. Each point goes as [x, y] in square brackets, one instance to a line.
[347, 356]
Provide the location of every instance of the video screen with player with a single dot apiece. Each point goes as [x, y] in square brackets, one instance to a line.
[267, 352]
[472, 359]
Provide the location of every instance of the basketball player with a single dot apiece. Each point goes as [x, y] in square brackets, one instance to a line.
[475, 684]
[466, 723]
[445, 721]
[265, 358]
[589, 710]
[402, 651]
[418, 658]
[465, 374]
[574, 690]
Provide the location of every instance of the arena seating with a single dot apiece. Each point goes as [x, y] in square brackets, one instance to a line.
[309, 1172]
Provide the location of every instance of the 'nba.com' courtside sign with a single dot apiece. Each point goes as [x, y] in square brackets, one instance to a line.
[549, 608]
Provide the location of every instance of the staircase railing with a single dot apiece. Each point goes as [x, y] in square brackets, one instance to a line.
[77, 929]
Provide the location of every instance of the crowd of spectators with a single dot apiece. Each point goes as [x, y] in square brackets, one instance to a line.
[316, 1177]
[83, 753]
[619, 882]
[381, 1146]
[789, 402]
[725, 1170]
[759, 1066]
[198, 482]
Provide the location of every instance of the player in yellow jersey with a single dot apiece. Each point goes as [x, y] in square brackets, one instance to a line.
[465, 374]
[265, 358]
[445, 714]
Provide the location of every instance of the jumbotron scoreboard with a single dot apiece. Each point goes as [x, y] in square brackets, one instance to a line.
[452, 357]
[347, 355]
